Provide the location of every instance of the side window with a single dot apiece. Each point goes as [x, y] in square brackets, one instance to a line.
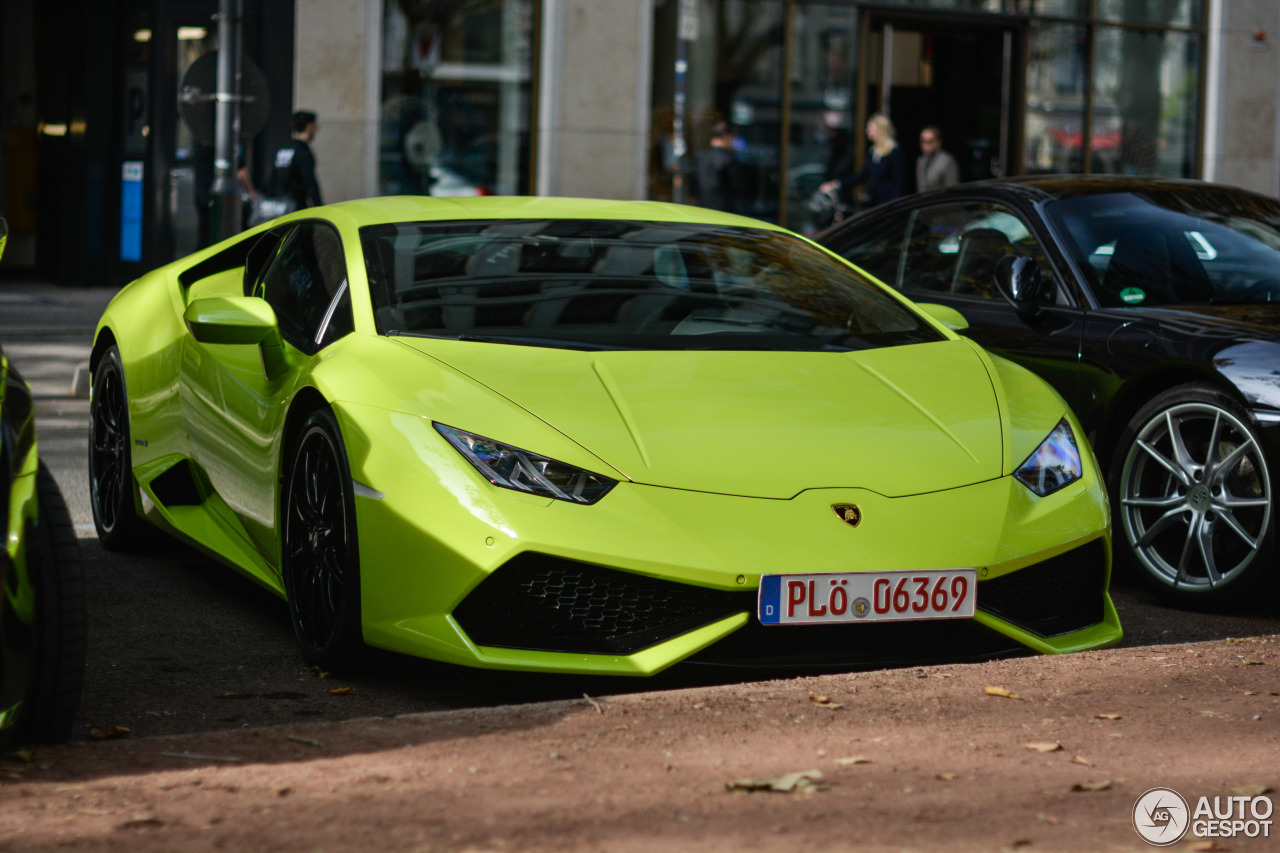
[877, 248]
[954, 248]
[306, 284]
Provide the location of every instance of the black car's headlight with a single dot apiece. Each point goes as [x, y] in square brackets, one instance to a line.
[513, 468]
[1054, 464]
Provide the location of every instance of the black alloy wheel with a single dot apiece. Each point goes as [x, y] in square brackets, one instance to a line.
[110, 460]
[1193, 497]
[320, 560]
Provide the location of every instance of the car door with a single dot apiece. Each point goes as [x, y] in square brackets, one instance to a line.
[234, 409]
[946, 253]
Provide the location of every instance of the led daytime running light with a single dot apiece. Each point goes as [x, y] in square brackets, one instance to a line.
[512, 468]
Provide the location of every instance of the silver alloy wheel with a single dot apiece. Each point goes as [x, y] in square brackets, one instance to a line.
[1195, 497]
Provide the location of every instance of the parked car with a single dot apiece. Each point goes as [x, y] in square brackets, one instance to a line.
[1153, 306]
[592, 437]
[42, 611]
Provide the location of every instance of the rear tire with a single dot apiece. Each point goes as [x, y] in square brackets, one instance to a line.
[320, 557]
[111, 489]
[1193, 498]
[60, 630]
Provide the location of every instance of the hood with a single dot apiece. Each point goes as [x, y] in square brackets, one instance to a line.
[899, 420]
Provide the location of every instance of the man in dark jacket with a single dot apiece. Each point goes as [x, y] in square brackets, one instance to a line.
[719, 173]
[294, 174]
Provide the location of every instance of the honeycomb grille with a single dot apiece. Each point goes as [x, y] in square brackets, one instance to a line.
[545, 603]
[1058, 596]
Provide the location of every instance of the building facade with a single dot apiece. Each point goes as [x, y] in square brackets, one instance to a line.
[106, 159]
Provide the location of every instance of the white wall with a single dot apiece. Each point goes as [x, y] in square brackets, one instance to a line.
[1242, 122]
[593, 115]
[337, 62]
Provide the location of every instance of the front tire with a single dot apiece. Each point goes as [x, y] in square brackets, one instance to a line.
[1193, 498]
[110, 458]
[59, 637]
[320, 560]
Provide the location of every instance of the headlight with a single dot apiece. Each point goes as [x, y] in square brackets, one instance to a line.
[513, 468]
[1054, 464]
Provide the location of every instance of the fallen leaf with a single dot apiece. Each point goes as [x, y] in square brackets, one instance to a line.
[341, 691]
[1233, 640]
[320, 673]
[1106, 716]
[1080, 759]
[1251, 790]
[947, 777]
[823, 701]
[1001, 691]
[1255, 663]
[109, 732]
[856, 759]
[1092, 786]
[802, 782]
[1053, 746]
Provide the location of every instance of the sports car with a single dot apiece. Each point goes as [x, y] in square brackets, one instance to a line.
[590, 436]
[1153, 306]
[42, 613]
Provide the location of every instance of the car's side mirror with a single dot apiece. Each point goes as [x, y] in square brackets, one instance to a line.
[247, 320]
[1019, 281]
[945, 314]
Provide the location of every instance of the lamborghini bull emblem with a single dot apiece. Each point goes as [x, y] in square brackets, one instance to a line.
[848, 513]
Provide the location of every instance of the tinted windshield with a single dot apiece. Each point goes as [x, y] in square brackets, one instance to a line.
[625, 285]
[1174, 247]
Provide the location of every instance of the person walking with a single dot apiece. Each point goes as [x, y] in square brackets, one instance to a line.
[884, 176]
[935, 168]
[294, 172]
[718, 171]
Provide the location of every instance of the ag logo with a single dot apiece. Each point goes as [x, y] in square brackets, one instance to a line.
[1161, 817]
[848, 513]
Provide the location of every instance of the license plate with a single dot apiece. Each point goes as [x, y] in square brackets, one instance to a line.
[833, 597]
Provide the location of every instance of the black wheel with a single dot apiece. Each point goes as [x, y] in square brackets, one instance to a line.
[110, 460]
[320, 559]
[1193, 497]
[59, 635]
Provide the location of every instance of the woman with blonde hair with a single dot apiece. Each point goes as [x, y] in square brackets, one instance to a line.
[884, 175]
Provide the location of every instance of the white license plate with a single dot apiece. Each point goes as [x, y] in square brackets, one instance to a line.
[833, 597]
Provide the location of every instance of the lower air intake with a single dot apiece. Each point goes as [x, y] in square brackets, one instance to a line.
[545, 603]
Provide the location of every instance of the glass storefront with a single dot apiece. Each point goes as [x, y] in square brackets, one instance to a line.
[1016, 87]
[456, 97]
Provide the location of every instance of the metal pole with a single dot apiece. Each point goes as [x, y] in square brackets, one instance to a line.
[686, 31]
[225, 219]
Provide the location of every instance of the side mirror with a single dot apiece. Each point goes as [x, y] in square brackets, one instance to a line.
[945, 314]
[239, 320]
[230, 320]
[1018, 278]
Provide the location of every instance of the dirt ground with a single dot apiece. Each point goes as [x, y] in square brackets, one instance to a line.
[935, 758]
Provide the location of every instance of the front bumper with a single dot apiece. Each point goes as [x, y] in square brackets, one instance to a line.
[446, 572]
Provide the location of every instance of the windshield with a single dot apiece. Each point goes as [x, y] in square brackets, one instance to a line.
[1174, 247]
[592, 284]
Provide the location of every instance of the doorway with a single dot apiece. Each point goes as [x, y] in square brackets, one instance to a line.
[963, 74]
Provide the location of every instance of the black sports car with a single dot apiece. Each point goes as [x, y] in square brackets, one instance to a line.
[1153, 306]
[42, 610]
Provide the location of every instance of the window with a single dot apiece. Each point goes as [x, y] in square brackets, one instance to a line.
[954, 248]
[306, 284]
[878, 247]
